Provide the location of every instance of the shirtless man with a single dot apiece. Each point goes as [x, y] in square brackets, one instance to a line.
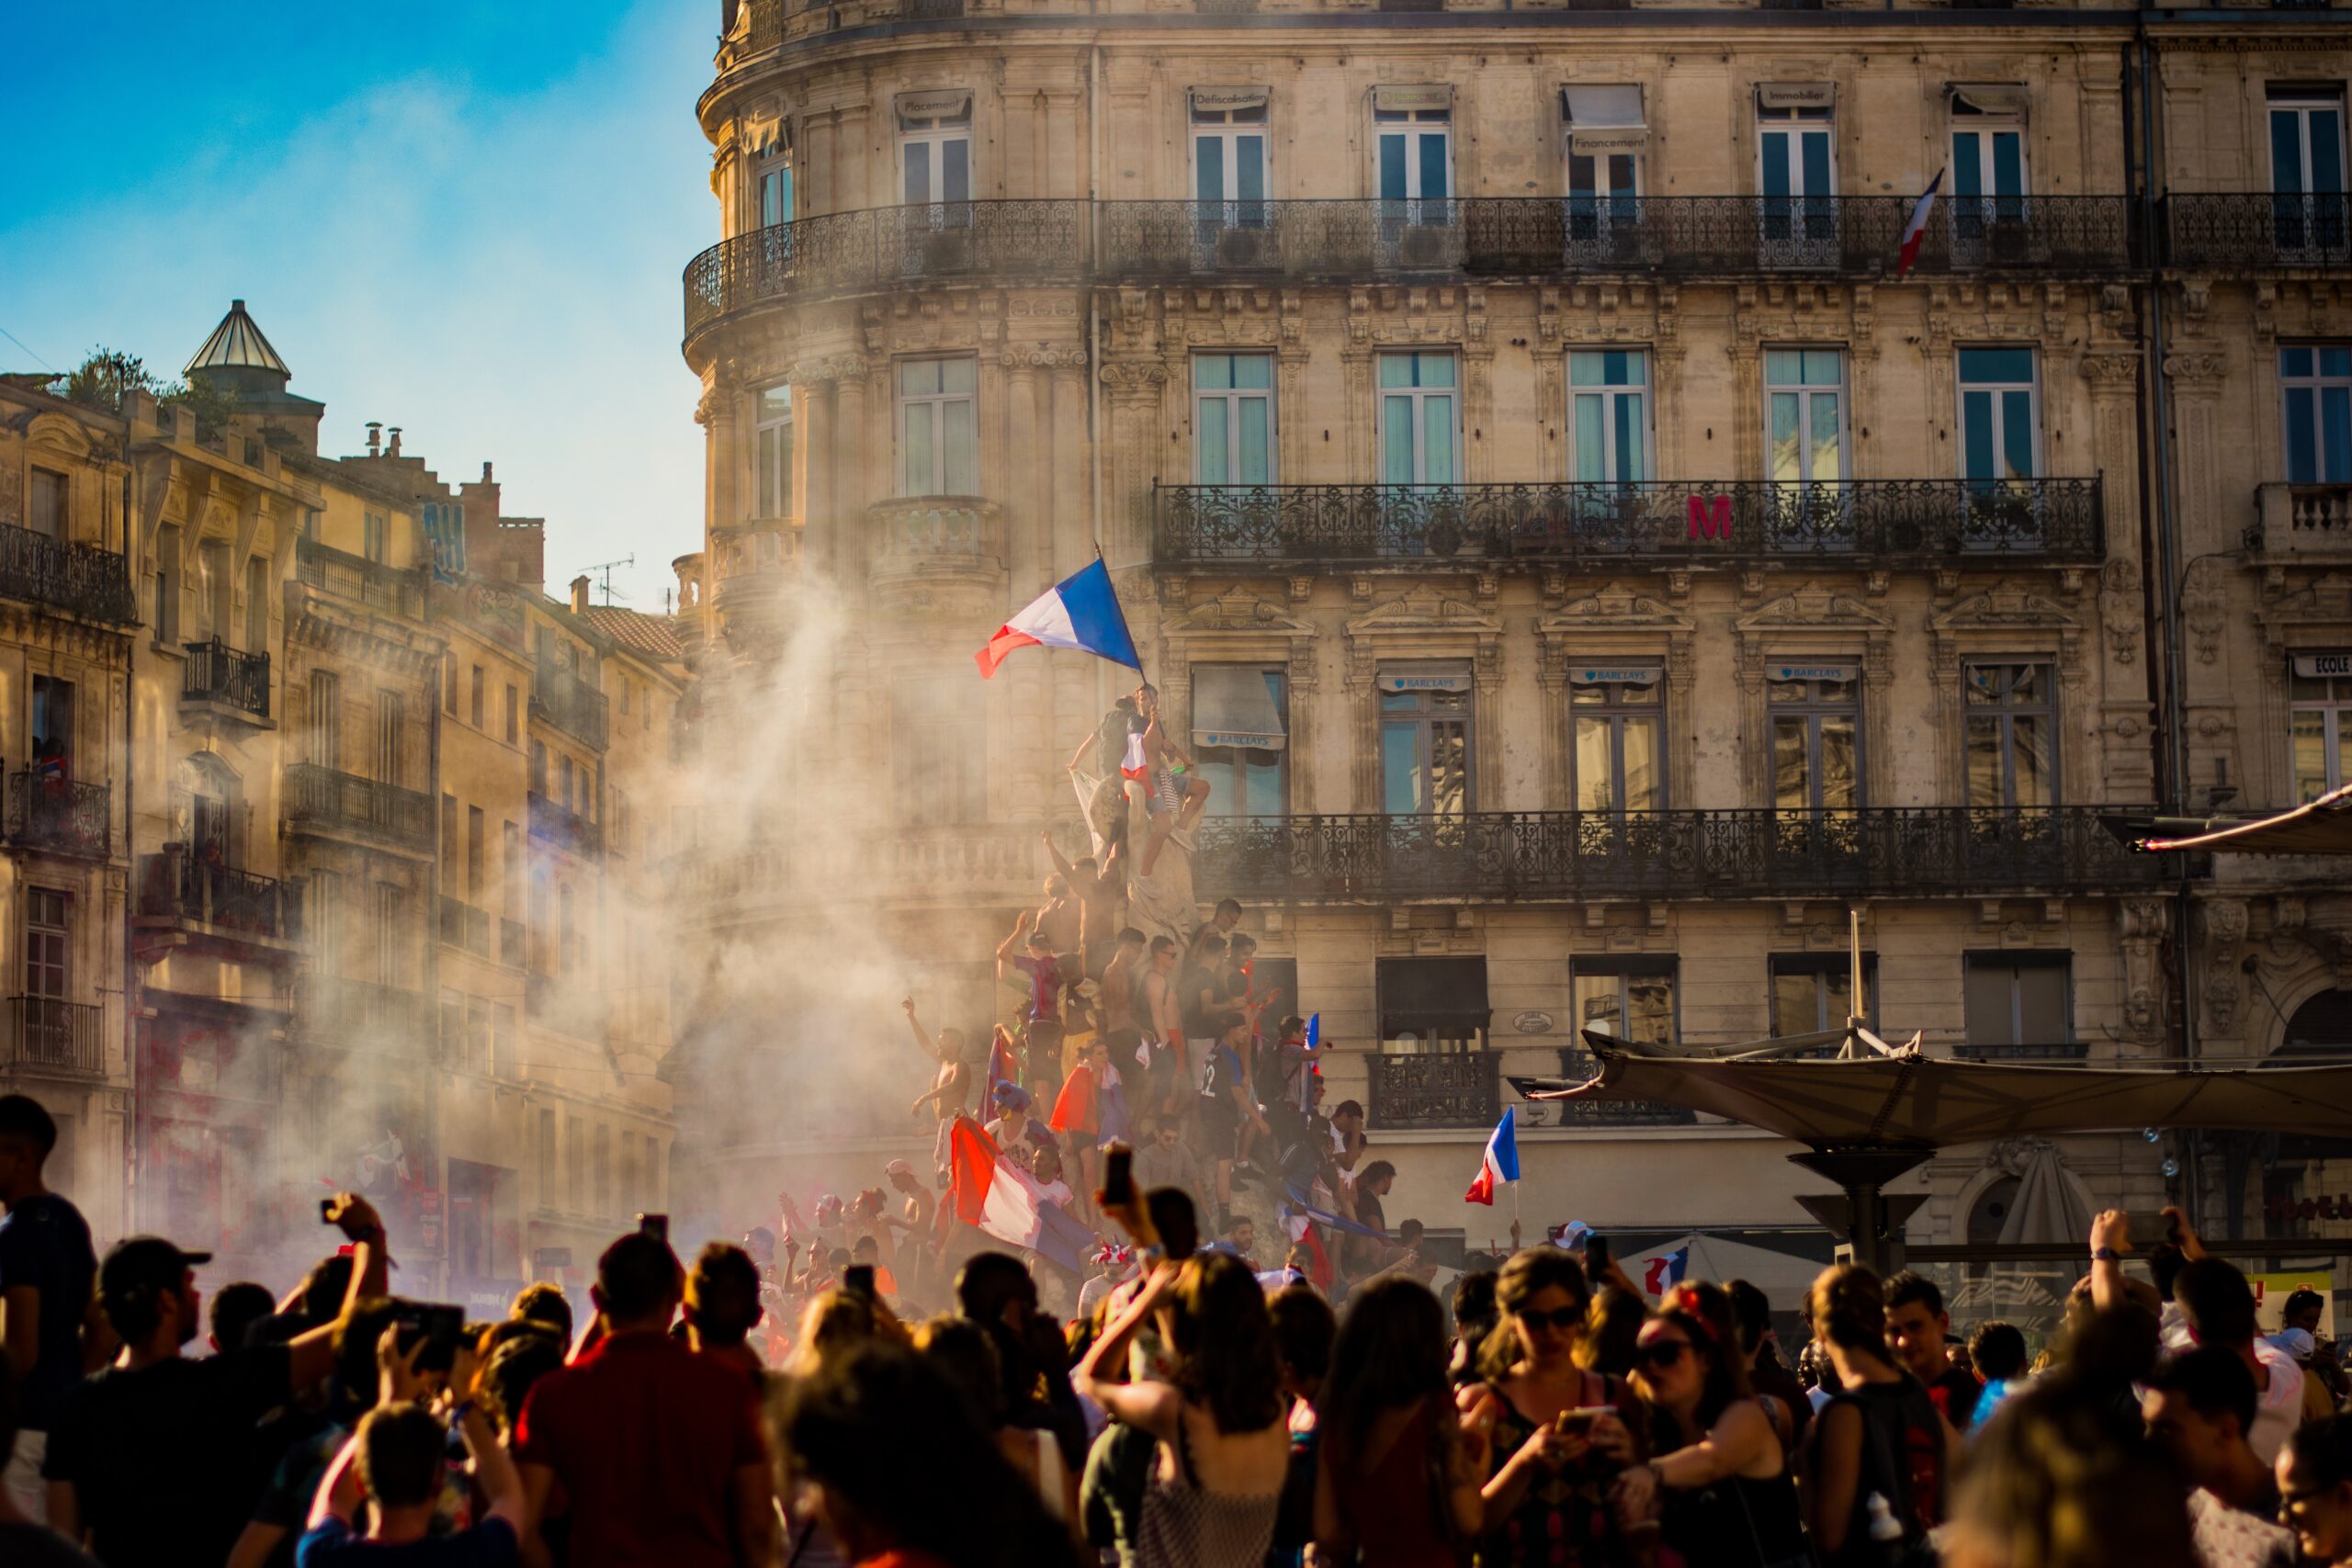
[1097, 890]
[1061, 916]
[1116, 1000]
[1178, 799]
[1156, 995]
[949, 1087]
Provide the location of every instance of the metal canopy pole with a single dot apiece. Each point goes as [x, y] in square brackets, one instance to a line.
[1871, 1222]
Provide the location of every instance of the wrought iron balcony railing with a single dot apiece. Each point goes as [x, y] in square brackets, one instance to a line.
[1070, 240]
[215, 672]
[2052, 1053]
[179, 886]
[572, 705]
[389, 589]
[1577, 1065]
[1666, 523]
[551, 821]
[52, 812]
[1450, 1089]
[324, 800]
[1879, 852]
[58, 1036]
[2256, 231]
[81, 578]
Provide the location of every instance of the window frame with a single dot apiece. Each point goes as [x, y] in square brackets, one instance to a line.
[1412, 128]
[1819, 966]
[2316, 383]
[1230, 758]
[2004, 713]
[1999, 391]
[1417, 397]
[1611, 397]
[1813, 708]
[1228, 129]
[1621, 969]
[2333, 710]
[54, 934]
[2017, 962]
[2302, 103]
[1805, 392]
[1425, 719]
[1613, 715]
[936, 132]
[61, 486]
[902, 402]
[1231, 400]
[775, 440]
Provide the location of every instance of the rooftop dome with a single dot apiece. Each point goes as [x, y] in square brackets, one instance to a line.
[237, 344]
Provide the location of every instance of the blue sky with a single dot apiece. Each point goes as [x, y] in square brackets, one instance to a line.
[466, 220]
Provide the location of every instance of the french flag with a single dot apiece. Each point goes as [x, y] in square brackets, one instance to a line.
[1916, 230]
[1499, 1164]
[1666, 1271]
[1081, 611]
[1001, 1200]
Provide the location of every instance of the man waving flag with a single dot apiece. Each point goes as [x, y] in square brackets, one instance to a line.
[1498, 1164]
[1916, 230]
[1081, 611]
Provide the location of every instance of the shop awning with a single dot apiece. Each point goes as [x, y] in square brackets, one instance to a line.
[1603, 119]
[1990, 97]
[1431, 996]
[2321, 828]
[1232, 707]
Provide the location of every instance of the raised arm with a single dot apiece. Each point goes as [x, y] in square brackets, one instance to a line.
[311, 1356]
[923, 1040]
[1148, 1407]
[2110, 1234]
[1005, 949]
[1061, 861]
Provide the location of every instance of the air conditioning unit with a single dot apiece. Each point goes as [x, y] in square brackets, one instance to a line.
[1243, 249]
[1424, 246]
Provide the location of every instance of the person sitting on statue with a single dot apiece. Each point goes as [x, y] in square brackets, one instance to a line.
[1178, 799]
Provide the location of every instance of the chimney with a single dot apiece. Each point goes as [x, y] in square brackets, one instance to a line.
[485, 473]
[393, 449]
[375, 436]
[580, 595]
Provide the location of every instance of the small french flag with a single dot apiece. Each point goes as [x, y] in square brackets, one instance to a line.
[1916, 230]
[1666, 1271]
[1081, 611]
[1498, 1164]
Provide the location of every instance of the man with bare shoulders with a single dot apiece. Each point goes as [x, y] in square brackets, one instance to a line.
[1115, 1002]
[950, 1087]
[1097, 890]
[1060, 918]
[1156, 996]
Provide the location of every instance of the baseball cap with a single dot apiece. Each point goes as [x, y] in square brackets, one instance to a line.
[141, 1265]
[898, 1167]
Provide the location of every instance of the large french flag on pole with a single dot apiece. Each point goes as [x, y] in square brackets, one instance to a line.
[1916, 230]
[1081, 611]
[1498, 1165]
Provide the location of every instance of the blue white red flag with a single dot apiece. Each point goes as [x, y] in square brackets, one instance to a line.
[1081, 611]
[1498, 1164]
[1665, 1270]
[999, 1197]
[1916, 230]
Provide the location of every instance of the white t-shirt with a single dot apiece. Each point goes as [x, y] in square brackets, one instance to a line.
[2230, 1537]
[2281, 1408]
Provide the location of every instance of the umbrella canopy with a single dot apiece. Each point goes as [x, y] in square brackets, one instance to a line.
[1782, 1277]
[1910, 1100]
[2321, 828]
[2048, 1209]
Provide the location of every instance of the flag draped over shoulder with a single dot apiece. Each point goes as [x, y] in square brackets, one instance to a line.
[998, 1196]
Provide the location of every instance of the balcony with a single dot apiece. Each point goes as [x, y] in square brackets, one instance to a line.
[2230, 232]
[917, 545]
[942, 864]
[86, 580]
[184, 889]
[2306, 522]
[325, 800]
[1907, 851]
[217, 674]
[1657, 524]
[1700, 237]
[359, 580]
[560, 698]
[510, 944]
[552, 823]
[360, 1015]
[54, 1037]
[52, 812]
[464, 927]
[1457, 1089]
[2063, 1053]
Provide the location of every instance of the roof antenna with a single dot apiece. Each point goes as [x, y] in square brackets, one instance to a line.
[607, 568]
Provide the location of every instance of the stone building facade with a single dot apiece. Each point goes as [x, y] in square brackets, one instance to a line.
[1588, 563]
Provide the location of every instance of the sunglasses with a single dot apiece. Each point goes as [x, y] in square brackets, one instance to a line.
[1661, 1353]
[1558, 1317]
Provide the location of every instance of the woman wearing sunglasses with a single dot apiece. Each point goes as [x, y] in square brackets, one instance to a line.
[1556, 1435]
[1721, 1481]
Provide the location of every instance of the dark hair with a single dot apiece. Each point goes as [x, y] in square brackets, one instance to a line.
[1910, 1286]
[1130, 936]
[1172, 1216]
[1225, 904]
[1390, 1355]
[1374, 1172]
[1998, 1351]
[724, 1289]
[1612, 1326]
[1528, 1274]
[1163, 944]
[2300, 1301]
[514, 1366]
[2324, 1450]
[2213, 1380]
[2053, 1483]
[1407, 1229]
[1225, 1344]
[235, 1309]
[1348, 1108]
[1704, 1313]
[863, 1421]
[638, 1274]
[967, 1355]
[1754, 1311]
[546, 1304]
[354, 1349]
[864, 1241]
[1303, 1328]
[22, 1119]
[1212, 944]
[1474, 1301]
[2217, 1302]
[1241, 942]
[990, 1281]
[1847, 1309]
[400, 1447]
[324, 1288]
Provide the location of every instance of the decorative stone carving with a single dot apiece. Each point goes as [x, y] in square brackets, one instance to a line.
[2142, 924]
[2223, 920]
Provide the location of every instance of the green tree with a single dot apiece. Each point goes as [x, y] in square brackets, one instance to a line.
[211, 406]
[105, 376]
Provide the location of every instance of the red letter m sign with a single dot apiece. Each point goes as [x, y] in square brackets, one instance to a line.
[1711, 517]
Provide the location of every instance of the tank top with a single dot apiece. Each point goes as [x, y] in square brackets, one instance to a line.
[1186, 1525]
[1563, 1520]
[1391, 1508]
[1735, 1523]
[1902, 1459]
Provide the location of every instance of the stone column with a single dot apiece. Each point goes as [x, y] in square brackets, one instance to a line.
[1131, 390]
[814, 393]
[851, 548]
[1028, 518]
[1073, 469]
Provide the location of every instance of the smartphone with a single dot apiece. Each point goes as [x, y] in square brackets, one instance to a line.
[655, 1225]
[1596, 1252]
[1579, 1418]
[857, 1280]
[326, 1211]
[1118, 1175]
[439, 1325]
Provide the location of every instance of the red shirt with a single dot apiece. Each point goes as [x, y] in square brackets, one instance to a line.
[645, 1436]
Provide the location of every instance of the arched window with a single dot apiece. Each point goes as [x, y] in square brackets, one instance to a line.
[2321, 1027]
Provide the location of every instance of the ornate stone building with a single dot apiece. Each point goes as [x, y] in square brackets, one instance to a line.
[1586, 562]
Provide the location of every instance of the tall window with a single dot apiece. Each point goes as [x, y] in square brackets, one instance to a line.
[935, 148]
[1988, 179]
[1431, 1005]
[771, 443]
[1816, 736]
[388, 736]
[1240, 737]
[2319, 695]
[476, 827]
[323, 919]
[391, 934]
[2315, 380]
[575, 1159]
[513, 714]
[1619, 760]
[376, 536]
[1631, 999]
[502, 1039]
[48, 943]
[2307, 167]
[45, 508]
[772, 179]
[510, 871]
[546, 1158]
[1804, 414]
[326, 718]
[1233, 418]
[1999, 425]
[538, 767]
[477, 688]
[1413, 152]
[2012, 734]
[567, 933]
[449, 684]
[1606, 138]
[167, 584]
[935, 419]
[1813, 992]
[1229, 173]
[2019, 998]
[52, 726]
[1609, 408]
[602, 1166]
[939, 754]
[450, 846]
[1796, 175]
[1425, 740]
[628, 1171]
[1420, 422]
[214, 588]
[257, 604]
